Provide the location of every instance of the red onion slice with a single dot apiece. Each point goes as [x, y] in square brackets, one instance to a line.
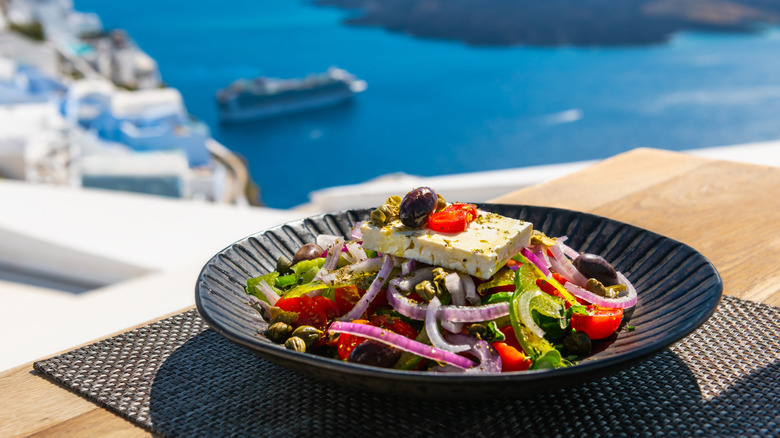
[432, 329]
[376, 285]
[569, 251]
[331, 278]
[326, 240]
[400, 342]
[455, 288]
[408, 266]
[356, 251]
[407, 282]
[541, 254]
[489, 359]
[253, 300]
[446, 313]
[535, 260]
[269, 293]
[470, 288]
[565, 268]
[452, 327]
[629, 300]
[357, 233]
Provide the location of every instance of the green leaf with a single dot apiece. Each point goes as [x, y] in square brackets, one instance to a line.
[285, 281]
[551, 326]
[305, 270]
[494, 334]
[503, 277]
[269, 278]
[498, 297]
[579, 309]
[548, 360]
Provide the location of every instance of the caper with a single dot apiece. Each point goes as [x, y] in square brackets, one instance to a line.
[375, 354]
[425, 290]
[296, 344]
[309, 334]
[279, 315]
[598, 288]
[309, 251]
[416, 206]
[479, 331]
[279, 332]
[577, 342]
[594, 266]
[283, 265]
[386, 212]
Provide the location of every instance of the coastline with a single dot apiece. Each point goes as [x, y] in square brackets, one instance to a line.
[86, 107]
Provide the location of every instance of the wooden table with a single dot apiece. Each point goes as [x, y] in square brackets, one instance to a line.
[728, 211]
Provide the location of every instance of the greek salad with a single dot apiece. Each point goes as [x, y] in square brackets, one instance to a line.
[390, 295]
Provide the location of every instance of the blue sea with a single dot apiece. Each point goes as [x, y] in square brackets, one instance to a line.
[436, 107]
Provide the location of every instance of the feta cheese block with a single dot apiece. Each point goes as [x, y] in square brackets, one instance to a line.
[484, 247]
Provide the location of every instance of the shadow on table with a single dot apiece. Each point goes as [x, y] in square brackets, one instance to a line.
[211, 387]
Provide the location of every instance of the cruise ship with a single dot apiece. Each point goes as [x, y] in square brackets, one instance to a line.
[263, 97]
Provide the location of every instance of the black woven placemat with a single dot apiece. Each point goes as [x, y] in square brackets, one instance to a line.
[178, 378]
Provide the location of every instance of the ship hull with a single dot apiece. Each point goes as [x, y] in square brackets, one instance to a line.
[274, 109]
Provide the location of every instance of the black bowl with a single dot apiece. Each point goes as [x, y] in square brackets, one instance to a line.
[678, 290]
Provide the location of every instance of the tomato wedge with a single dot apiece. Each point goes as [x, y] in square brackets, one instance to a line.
[512, 359]
[328, 306]
[310, 311]
[347, 342]
[346, 298]
[600, 323]
[396, 325]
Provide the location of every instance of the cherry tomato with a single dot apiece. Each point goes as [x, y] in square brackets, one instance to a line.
[395, 325]
[512, 359]
[346, 298]
[548, 288]
[346, 342]
[380, 300]
[310, 312]
[329, 306]
[511, 339]
[504, 288]
[599, 324]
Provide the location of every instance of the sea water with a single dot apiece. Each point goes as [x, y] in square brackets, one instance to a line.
[437, 107]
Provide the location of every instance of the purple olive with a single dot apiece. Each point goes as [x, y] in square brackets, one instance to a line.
[416, 206]
[594, 266]
[310, 251]
[375, 354]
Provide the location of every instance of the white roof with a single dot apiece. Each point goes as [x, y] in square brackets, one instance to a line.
[136, 164]
[158, 101]
[7, 68]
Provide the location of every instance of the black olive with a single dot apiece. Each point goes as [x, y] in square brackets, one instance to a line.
[416, 206]
[310, 251]
[594, 266]
[375, 354]
[577, 343]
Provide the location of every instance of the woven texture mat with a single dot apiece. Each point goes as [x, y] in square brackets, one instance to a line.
[178, 378]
